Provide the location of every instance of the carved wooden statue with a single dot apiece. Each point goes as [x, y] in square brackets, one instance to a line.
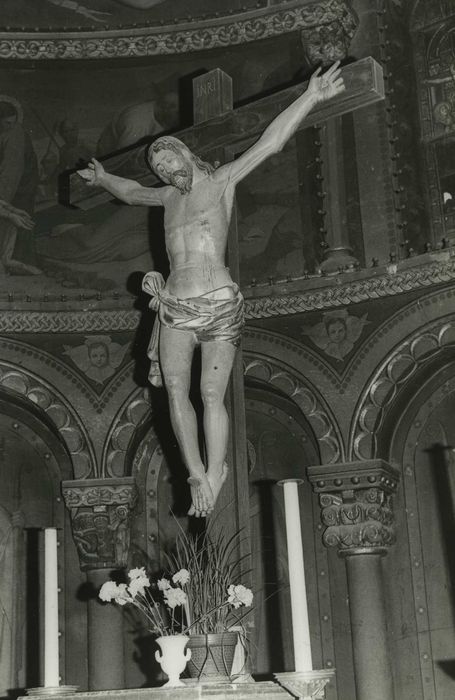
[199, 303]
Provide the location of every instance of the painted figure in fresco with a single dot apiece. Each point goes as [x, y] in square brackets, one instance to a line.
[337, 333]
[135, 122]
[98, 15]
[98, 358]
[199, 303]
[18, 185]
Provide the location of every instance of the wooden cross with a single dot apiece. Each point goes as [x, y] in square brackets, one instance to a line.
[221, 130]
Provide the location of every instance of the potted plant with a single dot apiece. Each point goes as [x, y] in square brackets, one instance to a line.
[197, 605]
[215, 595]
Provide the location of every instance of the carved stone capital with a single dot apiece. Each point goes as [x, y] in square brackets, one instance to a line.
[100, 517]
[356, 505]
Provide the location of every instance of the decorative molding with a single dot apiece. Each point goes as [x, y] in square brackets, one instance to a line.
[311, 405]
[392, 375]
[355, 499]
[123, 427]
[62, 416]
[60, 321]
[354, 290]
[100, 518]
[185, 36]
[426, 14]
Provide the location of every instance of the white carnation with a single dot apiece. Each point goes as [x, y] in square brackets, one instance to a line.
[163, 584]
[240, 595]
[182, 577]
[108, 591]
[174, 597]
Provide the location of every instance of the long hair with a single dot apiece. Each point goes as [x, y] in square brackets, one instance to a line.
[170, 143]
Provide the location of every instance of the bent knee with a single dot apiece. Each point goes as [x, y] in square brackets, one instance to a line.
[211, 395]
[176, 387]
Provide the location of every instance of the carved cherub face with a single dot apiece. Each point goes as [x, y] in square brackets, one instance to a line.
[174, 168]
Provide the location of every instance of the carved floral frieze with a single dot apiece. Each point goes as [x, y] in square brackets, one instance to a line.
[335, 16]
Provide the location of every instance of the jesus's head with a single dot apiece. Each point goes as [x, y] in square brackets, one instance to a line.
[174, 163]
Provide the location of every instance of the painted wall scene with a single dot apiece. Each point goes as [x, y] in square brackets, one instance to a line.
[95, 14]
[50, 127]
[338, 389]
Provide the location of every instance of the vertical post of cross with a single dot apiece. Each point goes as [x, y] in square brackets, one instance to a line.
[212, 97]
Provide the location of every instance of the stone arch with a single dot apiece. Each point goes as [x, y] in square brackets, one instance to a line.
[56, 411]
[395, 373]
[282, 364]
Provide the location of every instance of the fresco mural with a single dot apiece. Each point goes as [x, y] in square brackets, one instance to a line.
[96, 14]
[337, 333]
[269, 223]
[53, 118]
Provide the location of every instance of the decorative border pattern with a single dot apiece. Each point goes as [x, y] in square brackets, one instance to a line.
[184, 38]
[397, 369]
[350, 292]
[63, 417]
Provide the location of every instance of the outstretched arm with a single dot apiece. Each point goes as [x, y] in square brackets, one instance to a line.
[128, 191]
[320, 88]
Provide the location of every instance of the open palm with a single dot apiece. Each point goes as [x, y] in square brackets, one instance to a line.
[327, 85]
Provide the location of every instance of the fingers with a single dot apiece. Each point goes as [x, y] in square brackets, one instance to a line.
[333, 68]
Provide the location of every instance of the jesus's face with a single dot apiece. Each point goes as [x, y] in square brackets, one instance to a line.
[174, 169]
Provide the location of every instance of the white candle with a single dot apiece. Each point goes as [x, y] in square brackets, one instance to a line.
[51, 670]
[299, 606]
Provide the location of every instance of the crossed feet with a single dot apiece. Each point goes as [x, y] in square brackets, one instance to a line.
[205, 487]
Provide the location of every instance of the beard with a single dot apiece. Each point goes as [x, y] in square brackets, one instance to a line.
[182, 180]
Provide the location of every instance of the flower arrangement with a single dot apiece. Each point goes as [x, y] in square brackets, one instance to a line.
[203, 595]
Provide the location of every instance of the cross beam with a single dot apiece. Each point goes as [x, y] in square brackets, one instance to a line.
[364, 86]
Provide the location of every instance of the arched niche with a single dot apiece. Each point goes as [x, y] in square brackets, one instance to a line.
[43, 398]
[33, 461]
[418, 437]
[415, 358]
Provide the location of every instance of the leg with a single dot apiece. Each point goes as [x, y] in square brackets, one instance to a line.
[217, 361]
[6, 253]
[176, 355]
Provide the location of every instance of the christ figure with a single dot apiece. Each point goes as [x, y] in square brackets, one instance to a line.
[199, 304]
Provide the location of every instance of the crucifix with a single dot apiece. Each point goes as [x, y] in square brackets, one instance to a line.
[201, 303]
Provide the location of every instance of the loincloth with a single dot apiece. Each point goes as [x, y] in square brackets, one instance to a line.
[210, 319]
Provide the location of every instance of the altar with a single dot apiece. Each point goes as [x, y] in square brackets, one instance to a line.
[191, 691]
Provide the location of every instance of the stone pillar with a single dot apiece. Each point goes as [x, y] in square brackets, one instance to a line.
[355, 499]
[100, 514]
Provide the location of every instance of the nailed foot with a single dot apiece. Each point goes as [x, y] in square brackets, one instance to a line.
[201, 496]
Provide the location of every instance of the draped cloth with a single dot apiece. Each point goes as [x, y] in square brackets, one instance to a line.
[209, 318]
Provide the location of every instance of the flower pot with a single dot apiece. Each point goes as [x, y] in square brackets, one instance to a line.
[212, 656]
[172, 657]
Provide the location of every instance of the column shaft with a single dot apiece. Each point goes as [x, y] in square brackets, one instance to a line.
[373, 675]
[106, 667]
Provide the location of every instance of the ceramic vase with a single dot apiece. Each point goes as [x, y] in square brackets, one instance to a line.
[173, 657]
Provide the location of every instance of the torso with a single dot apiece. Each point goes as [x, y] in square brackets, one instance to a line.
[196, 226]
